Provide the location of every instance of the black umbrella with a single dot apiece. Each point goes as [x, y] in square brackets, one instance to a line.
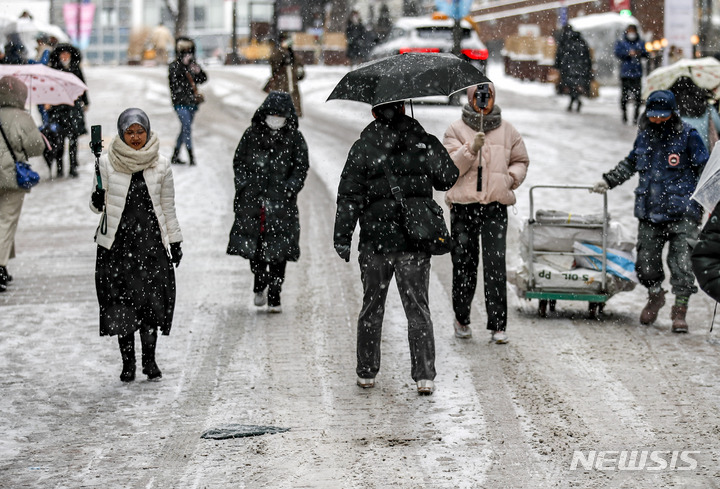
[407, 75]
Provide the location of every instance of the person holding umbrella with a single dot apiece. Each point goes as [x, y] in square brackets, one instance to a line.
[668, 155]
[419, 164]
[491, 157]
[138, 240]
[25, 141]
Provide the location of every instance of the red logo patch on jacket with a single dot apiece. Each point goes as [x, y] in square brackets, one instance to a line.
[674, 159]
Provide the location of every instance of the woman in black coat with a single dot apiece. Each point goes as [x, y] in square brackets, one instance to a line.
[270, 164]
[706, 256]
[573, 61]
[66, 121]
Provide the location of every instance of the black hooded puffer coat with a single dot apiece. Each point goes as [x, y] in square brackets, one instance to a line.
[419, 163]
[270, 169]
[70, 118]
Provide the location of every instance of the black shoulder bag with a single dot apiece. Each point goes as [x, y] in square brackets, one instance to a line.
[422, 219]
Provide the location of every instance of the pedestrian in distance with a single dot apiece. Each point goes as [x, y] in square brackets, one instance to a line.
[630, 50]
[65, 121]
[44, 49]
[161, 39]
[668, 155]
[26, 141]
[286, 70]
[355, 35]
[573, 61]
[184, 75]
[419, 163]
[694, 109]
[138, 241]
[491, 157]
[270, 165]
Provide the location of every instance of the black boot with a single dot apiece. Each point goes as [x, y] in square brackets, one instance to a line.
[175, 160]
[148, 337]
[191, 157]
[127, 350]
[3, 279]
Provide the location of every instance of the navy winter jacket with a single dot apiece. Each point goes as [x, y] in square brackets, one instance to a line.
[668, 158]
[630, 66]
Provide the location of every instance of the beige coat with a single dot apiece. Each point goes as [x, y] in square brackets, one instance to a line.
[20, 129]
[504, 164]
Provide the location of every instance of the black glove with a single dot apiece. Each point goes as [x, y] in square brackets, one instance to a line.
[176, 254]
[343, 251]
[98, 199]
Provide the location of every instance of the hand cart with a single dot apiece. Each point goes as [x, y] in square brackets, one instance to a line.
[548, 296]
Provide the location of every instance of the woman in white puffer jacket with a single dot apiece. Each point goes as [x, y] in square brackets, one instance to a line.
[138, 240]
[493, 162]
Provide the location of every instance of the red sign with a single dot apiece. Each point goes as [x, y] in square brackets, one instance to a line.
[618, 5]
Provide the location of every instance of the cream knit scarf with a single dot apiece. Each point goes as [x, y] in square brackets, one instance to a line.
[125, 159]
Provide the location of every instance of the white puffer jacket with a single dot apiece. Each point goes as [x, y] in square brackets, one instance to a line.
[159, 180]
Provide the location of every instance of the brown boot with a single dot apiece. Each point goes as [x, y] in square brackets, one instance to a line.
[677, 314]
[655, 301]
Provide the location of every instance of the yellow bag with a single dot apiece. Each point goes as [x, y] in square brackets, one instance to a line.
[594, 89]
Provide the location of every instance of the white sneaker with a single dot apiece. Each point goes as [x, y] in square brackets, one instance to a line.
[274, 309]
[425, 387]
[260, 299]
[365, 383]
[462, 330]
[499, 337]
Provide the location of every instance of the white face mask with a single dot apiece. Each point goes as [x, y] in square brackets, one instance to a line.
[65, 62]
[632, 37]
[186, 59]
[275, 122]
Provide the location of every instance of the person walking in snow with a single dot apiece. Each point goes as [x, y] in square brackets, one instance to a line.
[630, 50]
[493, 162]
[286, 70]
[668, 155]
[270, 165]
[573, 60]
[66, 121]
[184, 75]
[26, 141]
[138, 240]
[419, 163]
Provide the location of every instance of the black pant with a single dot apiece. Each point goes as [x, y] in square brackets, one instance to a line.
[270, 275]
[631, 88]
[57, 143]
[469, 223]
[412, 275]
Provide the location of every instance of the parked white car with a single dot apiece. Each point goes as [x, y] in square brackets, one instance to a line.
[428, 35]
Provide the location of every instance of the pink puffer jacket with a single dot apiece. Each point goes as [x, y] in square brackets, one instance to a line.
[504, 164]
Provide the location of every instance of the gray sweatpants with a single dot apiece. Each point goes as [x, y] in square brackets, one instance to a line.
[412, 275]
[650, 243]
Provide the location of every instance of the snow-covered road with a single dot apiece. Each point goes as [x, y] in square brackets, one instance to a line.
[507, 416]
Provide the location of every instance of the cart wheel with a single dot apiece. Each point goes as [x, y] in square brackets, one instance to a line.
[552, 305]
[542, 308]
[593, 310]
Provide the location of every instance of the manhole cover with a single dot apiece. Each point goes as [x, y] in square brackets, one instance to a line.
[240, 431]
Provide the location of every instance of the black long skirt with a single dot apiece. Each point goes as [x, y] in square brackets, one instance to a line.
[135, 280]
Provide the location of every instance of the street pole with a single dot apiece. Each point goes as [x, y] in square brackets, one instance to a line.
[79, 9]
[233, 58]
[457, 30]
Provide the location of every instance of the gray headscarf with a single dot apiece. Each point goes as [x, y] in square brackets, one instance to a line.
[130, 117]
